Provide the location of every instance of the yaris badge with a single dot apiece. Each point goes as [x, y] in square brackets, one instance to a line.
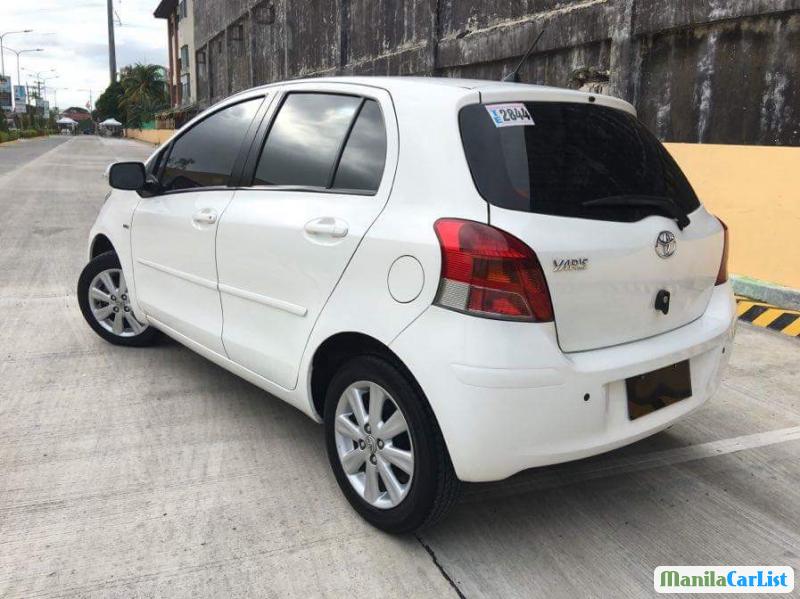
[665, 244]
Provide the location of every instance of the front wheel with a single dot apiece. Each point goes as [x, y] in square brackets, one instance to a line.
[385, 447]
[103, 298]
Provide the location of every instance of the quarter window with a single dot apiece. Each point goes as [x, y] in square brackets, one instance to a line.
[204, 156]
[361, 165]
[306, 139]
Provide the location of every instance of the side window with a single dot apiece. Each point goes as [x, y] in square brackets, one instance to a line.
[361, 165]
[204, 156]
[305, 140]
[153, 163]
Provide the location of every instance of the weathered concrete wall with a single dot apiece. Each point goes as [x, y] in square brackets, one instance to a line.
[716, 71]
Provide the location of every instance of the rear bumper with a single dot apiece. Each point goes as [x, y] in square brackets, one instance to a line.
[507, 398]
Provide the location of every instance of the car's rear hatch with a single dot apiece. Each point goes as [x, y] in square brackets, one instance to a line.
[604, 207]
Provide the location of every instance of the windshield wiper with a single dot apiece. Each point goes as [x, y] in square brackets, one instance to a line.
[635, 201]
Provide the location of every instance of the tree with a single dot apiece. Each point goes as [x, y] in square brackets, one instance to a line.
[109, 104]
[145, 92]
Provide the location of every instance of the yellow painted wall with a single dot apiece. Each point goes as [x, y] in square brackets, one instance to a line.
[151, 136]
[756, 191]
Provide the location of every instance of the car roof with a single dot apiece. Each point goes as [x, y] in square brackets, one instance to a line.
[414, 84]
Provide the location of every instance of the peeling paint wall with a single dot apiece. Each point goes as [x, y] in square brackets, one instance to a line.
[713, 71]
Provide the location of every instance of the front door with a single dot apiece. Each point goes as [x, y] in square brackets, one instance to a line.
[285, 241]
[173, 232]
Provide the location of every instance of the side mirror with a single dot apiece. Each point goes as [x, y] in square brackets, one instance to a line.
[127, 175]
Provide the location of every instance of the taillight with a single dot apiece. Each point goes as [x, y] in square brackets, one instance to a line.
[487, 272]
[722, 275]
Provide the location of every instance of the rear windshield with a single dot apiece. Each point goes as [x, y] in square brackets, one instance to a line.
[567, 154]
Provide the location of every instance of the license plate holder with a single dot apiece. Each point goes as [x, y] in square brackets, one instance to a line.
[657, 389]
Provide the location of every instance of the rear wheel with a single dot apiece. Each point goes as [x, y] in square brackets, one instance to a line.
[385, 447]
[105, 304]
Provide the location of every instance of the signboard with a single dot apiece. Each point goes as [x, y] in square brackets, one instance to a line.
[20, 108]
[19, 94]
[46, 105]
[5, 93]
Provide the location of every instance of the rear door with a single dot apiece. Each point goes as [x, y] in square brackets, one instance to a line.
[598, 198]
[319, 181]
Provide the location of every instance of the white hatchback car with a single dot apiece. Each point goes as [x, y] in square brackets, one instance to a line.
[461, 279]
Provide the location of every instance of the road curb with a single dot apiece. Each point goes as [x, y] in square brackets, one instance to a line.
[768, 316]
[768, 293]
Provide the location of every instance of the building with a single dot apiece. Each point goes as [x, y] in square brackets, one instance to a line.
[697, 70]
[81, 115]
[76, 113]
[180, 32]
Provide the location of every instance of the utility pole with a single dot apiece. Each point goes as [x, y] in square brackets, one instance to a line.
[44, 81]
[112, 52]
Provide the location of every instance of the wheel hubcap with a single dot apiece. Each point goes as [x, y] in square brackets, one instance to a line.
[374, 445]
[110, 305]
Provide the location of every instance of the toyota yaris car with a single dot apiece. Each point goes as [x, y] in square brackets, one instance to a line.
[460, 279]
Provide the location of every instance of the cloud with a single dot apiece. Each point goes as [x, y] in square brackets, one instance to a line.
[74, 37]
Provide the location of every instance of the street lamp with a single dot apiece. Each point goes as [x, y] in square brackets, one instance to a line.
[37, 78]
[55, 89]
[2, 57]
[18, 52]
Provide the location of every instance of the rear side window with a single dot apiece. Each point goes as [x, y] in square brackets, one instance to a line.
[570, 155]
[364, 156]
[305, 140]
[204, 156]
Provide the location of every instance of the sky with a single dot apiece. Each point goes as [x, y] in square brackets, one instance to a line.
[73, 35]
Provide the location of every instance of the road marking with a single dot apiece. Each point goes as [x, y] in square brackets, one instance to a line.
[768, 316]
[577, 472]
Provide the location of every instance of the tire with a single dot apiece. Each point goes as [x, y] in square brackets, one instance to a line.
[432, 486]
[102, 272]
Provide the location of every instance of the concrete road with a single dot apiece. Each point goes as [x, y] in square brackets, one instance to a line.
[18, 153]
[152, 472]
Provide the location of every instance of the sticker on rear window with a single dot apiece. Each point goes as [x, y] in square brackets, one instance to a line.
[509, 115]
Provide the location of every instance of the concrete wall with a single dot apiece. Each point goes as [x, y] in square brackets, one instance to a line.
[714, 71]
[151, 136]
[756, 191]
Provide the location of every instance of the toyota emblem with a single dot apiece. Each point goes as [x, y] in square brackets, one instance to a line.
[665, 244]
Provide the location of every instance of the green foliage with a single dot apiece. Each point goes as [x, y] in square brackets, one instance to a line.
[145, 92]
[109, 104]
[8, 136]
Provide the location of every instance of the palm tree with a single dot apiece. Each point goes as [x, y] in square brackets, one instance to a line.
[145, 92]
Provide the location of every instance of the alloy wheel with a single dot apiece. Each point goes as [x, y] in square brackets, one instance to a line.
[110, 304]
[373, 442]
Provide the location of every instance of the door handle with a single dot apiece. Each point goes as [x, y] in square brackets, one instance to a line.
[332, 227]
[206, 216]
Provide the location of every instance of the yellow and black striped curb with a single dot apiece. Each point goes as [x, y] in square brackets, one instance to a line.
[768, 316]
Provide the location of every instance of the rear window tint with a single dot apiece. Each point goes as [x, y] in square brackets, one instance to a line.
[571, 154]
[305, 139]
[361, 166]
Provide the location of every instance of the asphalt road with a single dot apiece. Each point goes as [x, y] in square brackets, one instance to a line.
[152, 472]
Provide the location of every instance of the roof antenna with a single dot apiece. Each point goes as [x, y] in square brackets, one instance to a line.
[513, 76]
